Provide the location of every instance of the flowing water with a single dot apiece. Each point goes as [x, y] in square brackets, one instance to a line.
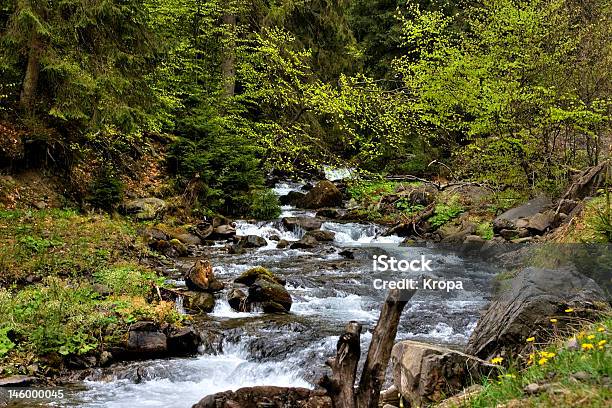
[290, 350]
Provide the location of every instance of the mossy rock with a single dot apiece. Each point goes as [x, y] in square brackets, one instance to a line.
[259, 272]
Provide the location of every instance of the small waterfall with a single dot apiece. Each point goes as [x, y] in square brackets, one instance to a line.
[333, 173]
[356, 233]
[178, 305]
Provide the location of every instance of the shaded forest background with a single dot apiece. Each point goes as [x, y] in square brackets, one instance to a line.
[514, 94]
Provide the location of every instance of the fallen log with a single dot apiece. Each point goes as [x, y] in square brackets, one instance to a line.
[341, 386]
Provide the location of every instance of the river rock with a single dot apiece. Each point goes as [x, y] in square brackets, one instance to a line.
[324, 194]
[237, 300]
[321, 236]
[201, 302]
[270, 296]
[222, 232]
[183, 340]
[305, 243]
[178, 247]
[282, 244]
[425, 374]
[331, 213]
[250, 276]
[200, 277]
[252, 241]
[146, 338]
[541, 222]
[293, 198]
[145, 209]
[305, 223]
[189, 239]
[268, 397]
[17, 381]
[511, 219]
[525, 304]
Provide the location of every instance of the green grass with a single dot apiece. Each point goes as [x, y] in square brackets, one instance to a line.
[555, 365]
[62, 314]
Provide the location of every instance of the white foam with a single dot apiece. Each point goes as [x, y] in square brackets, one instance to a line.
[185, 382]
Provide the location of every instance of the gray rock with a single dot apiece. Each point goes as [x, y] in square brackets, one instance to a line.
[509, 219]
[189, 239]
[321, 236]
[17, 381]
[183, 340]
[145, 209]
[305, 243]
[541, 222]
[525, 304]
[425, 374]
[200, 302]
[267, 397]
[293, 198]
[252, 241]
[237, 300]
[305, 223]
[282, 244]
[146, 338]
[268, 295]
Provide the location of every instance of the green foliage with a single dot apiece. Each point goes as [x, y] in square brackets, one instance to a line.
[106, 191]
[485, 230]
[561, 362]
[445, 212]
[6, 344]
[128, 280]
[265, 205]
[37, 245]
[370, 189]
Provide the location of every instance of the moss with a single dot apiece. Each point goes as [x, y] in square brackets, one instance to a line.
[259, 272]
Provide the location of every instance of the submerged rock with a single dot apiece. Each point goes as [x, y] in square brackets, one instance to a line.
[237, 300]
[252, 241]
[270, 296]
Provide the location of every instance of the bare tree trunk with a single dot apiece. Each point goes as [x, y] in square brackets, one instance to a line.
[228, 65]
[383, 338]
[30, 81]
[340, 387]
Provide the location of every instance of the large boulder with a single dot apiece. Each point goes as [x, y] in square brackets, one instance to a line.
[293, 198]
[200, 277]
[518, 217]
[182, 340]
[525, 304]
[252, 275]
[199, 302]
[425, 374]
[324, 194]
[305, 223]
[266, 396]
[252, 241]
[270, 296]
[222, 232]
[307, 241]
[145, 208]
[266, 292]
[146, 338]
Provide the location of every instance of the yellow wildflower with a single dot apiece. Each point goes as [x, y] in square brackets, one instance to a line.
[569, 310]
[601, 329]
[547, 354]
[591, 336]
[587, 346]
[580, 335]
[530, 339]
[602, 342]
[542, 361]
[553, 320]
[497, 360]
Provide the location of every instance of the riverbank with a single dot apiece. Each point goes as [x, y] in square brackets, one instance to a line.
[104, 276]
